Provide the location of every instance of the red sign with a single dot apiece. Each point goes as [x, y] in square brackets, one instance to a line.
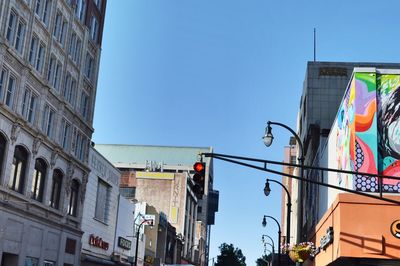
[98, 242]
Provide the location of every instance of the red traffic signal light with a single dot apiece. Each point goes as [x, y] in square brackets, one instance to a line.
[199, 167]
[199, 178]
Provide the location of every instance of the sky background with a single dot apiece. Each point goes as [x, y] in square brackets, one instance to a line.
[213, 72]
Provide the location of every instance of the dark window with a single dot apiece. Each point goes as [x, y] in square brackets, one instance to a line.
[56, 189]
[39, 176]
[3, 144]
[73, 199]
[70, 246]
[18, 168]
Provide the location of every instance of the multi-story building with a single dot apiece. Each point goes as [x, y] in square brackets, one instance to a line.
[352, 229]
[289, 156]
[162, 177]
[49, 58]
[323, 89]
[99, 211]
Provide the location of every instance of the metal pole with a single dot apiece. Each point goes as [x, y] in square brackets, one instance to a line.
[302, 183]
[279, 238]
[137, 242]
[289, 209]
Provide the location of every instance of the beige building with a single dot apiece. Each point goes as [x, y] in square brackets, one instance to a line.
[162, 177]
[49, 57]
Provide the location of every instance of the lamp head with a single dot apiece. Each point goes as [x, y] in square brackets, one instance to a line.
[267, 189]
[264, 222]
[268, 137]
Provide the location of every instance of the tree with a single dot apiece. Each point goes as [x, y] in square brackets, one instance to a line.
[230, 256]
[264, 260]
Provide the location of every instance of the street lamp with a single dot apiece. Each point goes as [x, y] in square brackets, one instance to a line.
[264, 223]
[268, 138]
[273, 243]
[267, 190]
[137, 239]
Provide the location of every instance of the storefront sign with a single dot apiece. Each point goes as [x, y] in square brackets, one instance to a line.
[98, 242]
[327, 239]
[395, 229]
[124, 243]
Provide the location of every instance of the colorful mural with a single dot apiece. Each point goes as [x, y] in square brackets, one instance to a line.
[368, 132]
[389, 129]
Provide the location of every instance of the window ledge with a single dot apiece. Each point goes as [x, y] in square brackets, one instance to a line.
[100, 221]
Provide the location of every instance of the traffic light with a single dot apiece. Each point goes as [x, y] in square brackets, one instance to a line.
[199, 178]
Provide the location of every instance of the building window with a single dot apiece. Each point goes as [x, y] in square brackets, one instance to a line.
[65, 134]
[29, 105]
[48, 121]
[15, 32]
[94, 28]
[42, 9]
[69, 89]
[18, 168]
[60, 28]
[10, 91]
[89, 66]
[75, 47]
[102, 199]
[39, 176]
[80, 146]
[49, 263]
[98, 3]
[84, 107]
[12, 21]
[7, 87]
[80, 9]
[73, 198]
[33, 50]
[36, 54]
[57, 76]
[20, 36]
[56, 189]
[50, 72]
[54, 72]
[29, 261]
[3, 145]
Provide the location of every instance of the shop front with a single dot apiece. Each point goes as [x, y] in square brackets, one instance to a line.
[357, 230]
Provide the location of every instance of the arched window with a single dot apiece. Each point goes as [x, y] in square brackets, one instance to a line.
[39, 176]
[73, 198]
[3, 145]
[56, 189]
[18, 169]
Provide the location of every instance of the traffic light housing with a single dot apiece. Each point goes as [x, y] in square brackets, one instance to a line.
[199, 178]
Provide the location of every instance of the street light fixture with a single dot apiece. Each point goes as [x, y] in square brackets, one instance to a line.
[273, 243]
[267, 191]
[268, 138]
[264, 223]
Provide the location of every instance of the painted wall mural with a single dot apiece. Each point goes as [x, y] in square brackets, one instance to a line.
[389, 129]
[368, 132]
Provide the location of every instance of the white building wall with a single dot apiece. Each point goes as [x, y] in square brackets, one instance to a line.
[125, 227]
[104, 170]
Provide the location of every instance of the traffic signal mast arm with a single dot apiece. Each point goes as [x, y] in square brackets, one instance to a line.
[239, 160]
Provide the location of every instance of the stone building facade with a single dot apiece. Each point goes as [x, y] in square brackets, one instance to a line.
[49, 58]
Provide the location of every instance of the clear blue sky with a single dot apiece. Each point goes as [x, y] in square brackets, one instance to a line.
[212, 72]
